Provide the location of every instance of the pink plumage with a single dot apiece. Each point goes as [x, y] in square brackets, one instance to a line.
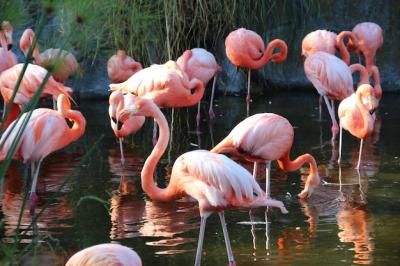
[317, 41]
[120, 67]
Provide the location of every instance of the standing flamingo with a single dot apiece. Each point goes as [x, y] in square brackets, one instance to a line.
[214, 180]
[201, 65]
[31, 81]
[245, 48]
[365, 78]
[267, 137]
[332, 79]
[7, 57]
[105, 255]
[121, 67]
[65, 62]
[118, 102]
[46, 132]
[368, 39]
[355, 116]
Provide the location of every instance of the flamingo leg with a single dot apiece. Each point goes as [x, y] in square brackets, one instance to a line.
[154, 133]
[198, 114]
[255, 169]
[267, 178]
[54, 104]
[210, 110]
[121, 148]
[340, 144]
[253, 230]
[359, 154]
[231, 259]
[266, 229]
[33, 196]
[335, 127]
[320, 107]
[248, 94]
[200, 243]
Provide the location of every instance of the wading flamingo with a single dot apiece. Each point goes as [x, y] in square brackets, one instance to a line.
[355, 116]
[201, 65]
[105, 255]
[118, 101]
[245, 48]
[47, 131]
[268, 137]
[7, 57]
[214, 180]
[65, 62]
[332, 79]
[31, 81]
[120, 67]
[368, 39]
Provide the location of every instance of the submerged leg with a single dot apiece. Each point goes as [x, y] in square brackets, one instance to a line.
[200, 243]
[198, 114]
[210, 110]
[335, 127]
[340, 144]
[231, 259]
[267, 178]
[33, 196]
[266, 229]
[359, 154]
[121, 148]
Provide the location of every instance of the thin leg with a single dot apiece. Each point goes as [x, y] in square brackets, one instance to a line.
[267, 178]
[33, 196]
[200, 243]
[54, 104]
[231, 259]
[198, 114]
[253, 230]
[335, 127]
[266, 230]
[340, 144]
[121, 148]
[248, 86]
[255, 169]
[359, 154]
[333, 105]
[210, 110]
[154, 133]
[320, 108]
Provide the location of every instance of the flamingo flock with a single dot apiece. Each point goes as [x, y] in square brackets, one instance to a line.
[212, 179]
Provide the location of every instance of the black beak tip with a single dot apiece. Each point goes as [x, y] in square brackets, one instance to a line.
[9, 46]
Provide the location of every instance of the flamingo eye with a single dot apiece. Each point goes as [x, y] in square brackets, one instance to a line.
[192, 91]
[70, 123]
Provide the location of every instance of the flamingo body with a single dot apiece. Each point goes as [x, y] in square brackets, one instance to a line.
[319, 40]
[105, 255]
[121, 67]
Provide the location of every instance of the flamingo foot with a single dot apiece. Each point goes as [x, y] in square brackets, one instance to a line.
[211, 114]
[33, 199]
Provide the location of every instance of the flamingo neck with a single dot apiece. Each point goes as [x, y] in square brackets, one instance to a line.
[287, 165]
[26, 41]
[364, 77]
[79, 126]
[377, 82]
[12, 115]
[368, 121]
[369, 60]
[344, 53]
[121, 54]
[149, 167]
[280, 56]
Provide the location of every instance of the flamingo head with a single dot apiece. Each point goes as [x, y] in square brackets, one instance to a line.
[368, 97]
[7, 30]
[142, 107]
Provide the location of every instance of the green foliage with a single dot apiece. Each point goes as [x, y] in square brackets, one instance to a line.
[13, 11]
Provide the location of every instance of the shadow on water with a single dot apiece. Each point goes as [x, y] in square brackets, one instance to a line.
[352, 223]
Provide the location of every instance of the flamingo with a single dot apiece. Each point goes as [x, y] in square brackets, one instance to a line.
[45, 132]
[31, 81]
[167, 85]
[7, 57]
[368, 39]
[118, 102]
[121, 67]
[201, 65]
[266, 137]
[214, 180]
[245, 48]
[355, 116]
[364, 78]
[65, 62]
[332, 79]
[105, 255]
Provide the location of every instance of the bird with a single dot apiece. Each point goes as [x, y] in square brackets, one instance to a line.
[121, 67]
[7, 57]
[214, 180]
[368, 39]
[355, 117]
[245, 48]
[46, 131]
[167, 85]
[333, 80]
[31, 81]
[105, 255]
[64, 63]
[203, 66]
[266, 137]
[365, 78]
[118, 101]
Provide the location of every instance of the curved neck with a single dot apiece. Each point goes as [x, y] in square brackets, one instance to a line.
[149, 166]
[64, 110]
[368, 122]
[344, 53]
[377, 82]
[364, 77]
[280, 56]
[121, 54]
[287, 165]
[26, 41]
[198, 86]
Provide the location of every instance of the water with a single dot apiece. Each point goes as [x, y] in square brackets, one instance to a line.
[355, 224]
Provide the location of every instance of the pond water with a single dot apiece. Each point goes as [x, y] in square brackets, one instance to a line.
[357, 223]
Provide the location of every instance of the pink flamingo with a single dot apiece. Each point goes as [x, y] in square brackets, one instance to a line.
[268, 137]
[214, 180]
[46, 132]
[121, 67]
[332, 79]
[355, 116]
[65, 62]
[368, 39]
[31, 81]
[201, 65]
[7, 57]
[105, 255]
[118, 102]
[245, 48]
[364, 78]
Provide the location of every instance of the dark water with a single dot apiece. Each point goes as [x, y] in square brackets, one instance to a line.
[357, 223]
